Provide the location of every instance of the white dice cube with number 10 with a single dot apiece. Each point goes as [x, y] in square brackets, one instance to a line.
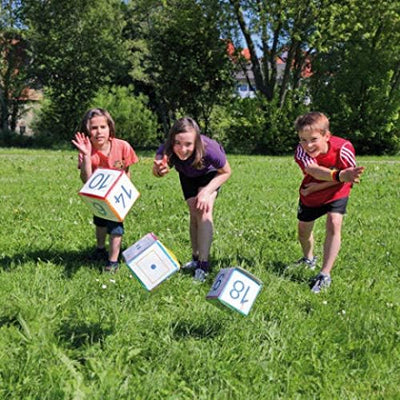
[109, 193]
[235, 288]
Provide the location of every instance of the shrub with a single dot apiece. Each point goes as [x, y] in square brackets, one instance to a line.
[255, 126]
[134, 120]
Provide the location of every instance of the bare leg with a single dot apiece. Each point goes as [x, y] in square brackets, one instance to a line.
[306, 238]
[115, 247]
[193, 226]
[201, 228]
[101, 234]
[332, 241]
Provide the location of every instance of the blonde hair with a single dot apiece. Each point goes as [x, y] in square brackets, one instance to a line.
[311, 122]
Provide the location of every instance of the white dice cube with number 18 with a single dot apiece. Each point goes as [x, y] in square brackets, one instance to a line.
[235, 288]
[109, 193]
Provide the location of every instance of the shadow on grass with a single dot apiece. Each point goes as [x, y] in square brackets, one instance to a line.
[293, 274]
[275, 267]
[192, 330]
[75, 335]
[79, 336]
[72, 261]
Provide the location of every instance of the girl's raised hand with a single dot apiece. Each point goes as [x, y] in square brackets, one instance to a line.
[160, 167]
[82, 143]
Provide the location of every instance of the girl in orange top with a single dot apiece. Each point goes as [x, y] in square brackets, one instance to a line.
[98, 147]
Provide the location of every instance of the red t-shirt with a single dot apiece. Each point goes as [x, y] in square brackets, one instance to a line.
[121, 156]
[340, 155]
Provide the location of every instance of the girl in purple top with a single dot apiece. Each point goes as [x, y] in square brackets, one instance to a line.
[203, 168]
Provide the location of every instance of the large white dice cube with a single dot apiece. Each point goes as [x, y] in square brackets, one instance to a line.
[235, 288]
[150, 261]
[109, 193]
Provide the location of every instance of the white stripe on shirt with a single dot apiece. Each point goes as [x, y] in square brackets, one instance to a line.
[347, 156]
[302, 156]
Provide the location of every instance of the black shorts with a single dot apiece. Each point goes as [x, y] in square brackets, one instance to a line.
[113, 227]
[191, 186]
[308, 214]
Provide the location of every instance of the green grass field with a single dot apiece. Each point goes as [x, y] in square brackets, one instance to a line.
[68, 331]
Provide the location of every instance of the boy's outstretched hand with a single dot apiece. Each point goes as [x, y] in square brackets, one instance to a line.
[83, 144]
[160, 167]
[351, 174]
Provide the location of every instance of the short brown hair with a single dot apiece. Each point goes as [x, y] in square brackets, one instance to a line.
[312, 121]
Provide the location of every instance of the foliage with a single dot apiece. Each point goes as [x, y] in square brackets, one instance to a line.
[14, 65]
[275, 32]
[187, 66]
[76, 47]
[134, 121]
[356, 79]
[352, 48]
[67, 331]
[256, 126]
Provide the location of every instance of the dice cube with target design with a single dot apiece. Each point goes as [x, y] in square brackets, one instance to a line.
[150, 261]
[109, 193]
[235, 288]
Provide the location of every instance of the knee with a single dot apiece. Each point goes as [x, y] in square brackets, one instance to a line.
[304, 232]
[334, 224]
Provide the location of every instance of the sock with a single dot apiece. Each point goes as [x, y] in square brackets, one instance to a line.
[195, 257]
[204, 265]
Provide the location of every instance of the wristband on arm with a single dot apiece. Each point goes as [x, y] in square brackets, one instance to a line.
[335, 175]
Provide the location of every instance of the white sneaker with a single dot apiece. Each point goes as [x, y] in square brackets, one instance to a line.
[200, 275]
[190, 266]
[320, 282]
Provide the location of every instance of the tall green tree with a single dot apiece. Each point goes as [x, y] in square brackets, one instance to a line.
[14, 64]
[187, 65]
[77, 47]
[275, 32]
[356, 78]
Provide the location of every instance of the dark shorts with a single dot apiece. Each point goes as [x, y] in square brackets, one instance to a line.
[191, 186]
[308, 214]
[113, 227]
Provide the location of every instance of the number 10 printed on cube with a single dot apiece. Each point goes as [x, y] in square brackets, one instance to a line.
[236, 289]
[109, 193]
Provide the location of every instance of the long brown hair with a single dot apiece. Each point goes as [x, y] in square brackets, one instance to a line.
[97, 112]
[181, 125]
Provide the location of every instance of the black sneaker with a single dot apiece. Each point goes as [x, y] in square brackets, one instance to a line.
[111, 266]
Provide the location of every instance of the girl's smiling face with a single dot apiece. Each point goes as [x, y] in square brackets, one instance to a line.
[314, 143]
[184, 144]
[99, 131]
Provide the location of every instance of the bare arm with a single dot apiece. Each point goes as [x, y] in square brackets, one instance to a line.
[203, 197]
[83, 144]
[351, 174]
[316, 186]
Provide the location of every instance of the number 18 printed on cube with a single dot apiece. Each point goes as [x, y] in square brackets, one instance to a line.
[236, 289]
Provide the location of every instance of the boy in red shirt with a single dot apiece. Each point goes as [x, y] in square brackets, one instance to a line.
[329, 167]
